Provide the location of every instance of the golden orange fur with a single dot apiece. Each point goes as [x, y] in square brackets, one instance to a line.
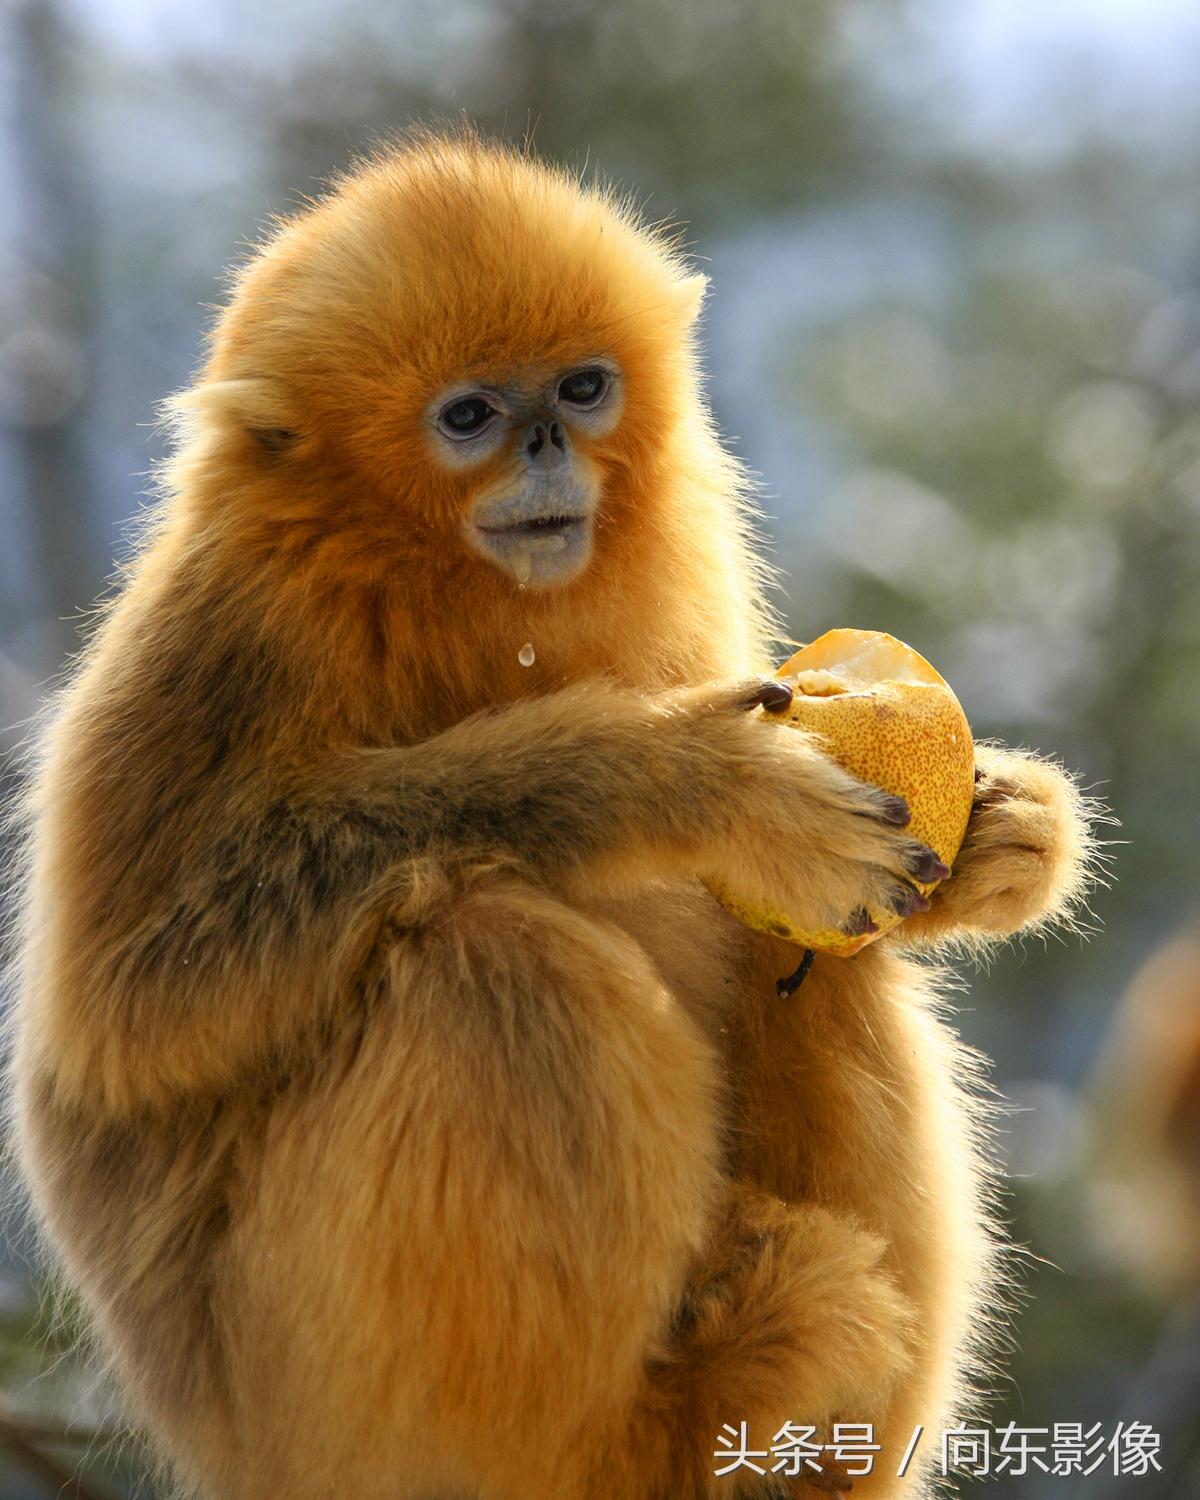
[411, 1120]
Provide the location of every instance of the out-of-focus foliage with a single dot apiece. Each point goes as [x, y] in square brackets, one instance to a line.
[955, 324]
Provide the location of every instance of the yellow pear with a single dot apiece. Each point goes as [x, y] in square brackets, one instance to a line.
[886, 716]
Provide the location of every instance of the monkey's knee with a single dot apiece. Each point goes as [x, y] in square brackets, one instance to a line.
[493, 935]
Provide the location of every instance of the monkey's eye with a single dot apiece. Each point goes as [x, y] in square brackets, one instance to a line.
[466, 416]
[583, 388]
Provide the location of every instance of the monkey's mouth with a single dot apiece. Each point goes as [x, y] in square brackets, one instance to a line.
[538, 551]
[536, 526]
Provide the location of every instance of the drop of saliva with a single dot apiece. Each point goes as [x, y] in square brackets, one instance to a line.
[526, 655]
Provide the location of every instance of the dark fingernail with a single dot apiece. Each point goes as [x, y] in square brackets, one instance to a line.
[926, 866]
[774, 697]
[895, 810]
[905, 902]
[860, 923]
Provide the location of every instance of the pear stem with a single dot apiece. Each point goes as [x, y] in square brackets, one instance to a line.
[786, 988]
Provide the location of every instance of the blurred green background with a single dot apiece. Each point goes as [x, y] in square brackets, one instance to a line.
[955, 326]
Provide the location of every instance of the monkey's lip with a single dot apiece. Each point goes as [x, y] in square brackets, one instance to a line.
[547, 525]
[543, 550]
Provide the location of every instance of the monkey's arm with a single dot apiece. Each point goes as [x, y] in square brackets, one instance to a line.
[596, 785]
[209, 926]
[1028, 859]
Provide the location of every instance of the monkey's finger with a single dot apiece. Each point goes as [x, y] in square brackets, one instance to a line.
[738, 697]
[904, 899]
[859, 923]
[901, 898]
[887, 808]
[992, 787]
[772, 695]
[924, 863]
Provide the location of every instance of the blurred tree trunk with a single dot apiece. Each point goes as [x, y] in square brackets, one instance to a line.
[57, 239]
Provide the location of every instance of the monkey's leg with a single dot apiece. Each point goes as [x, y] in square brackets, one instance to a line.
[853, 1095]
[790, 1311]
[457, 1265]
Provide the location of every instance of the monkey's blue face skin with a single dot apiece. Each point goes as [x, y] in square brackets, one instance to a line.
[536, 521]
[541, 531]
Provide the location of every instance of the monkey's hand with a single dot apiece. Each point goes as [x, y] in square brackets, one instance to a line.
[789, 830]
[1029, 857]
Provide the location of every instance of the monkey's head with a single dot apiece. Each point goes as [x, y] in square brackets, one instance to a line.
[461, 355]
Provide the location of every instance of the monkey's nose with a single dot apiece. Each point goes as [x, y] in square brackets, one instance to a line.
[542, 433]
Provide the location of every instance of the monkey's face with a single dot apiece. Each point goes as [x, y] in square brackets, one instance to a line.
[468, 377]
[534, 516]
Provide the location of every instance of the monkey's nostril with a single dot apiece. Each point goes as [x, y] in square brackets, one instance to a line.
[537, 440]
[557, 437]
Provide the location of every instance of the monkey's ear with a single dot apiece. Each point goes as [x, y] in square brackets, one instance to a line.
[691, 292]
[248, 404]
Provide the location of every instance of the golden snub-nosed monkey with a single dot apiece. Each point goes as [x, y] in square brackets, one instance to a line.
[411, 1120]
